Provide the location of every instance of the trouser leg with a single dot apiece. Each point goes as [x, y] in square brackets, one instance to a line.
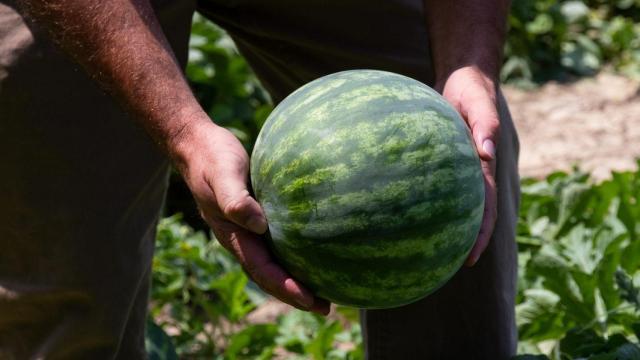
[81, 189]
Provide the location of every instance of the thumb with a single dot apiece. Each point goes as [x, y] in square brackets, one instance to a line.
[236, 203]
[481, 115]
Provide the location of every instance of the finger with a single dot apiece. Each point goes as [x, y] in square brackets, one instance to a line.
[255, 258]
[482, 117]
[489, 214]
[321, 307]
[235, 202]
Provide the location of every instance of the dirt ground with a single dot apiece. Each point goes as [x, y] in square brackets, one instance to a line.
[592, 122]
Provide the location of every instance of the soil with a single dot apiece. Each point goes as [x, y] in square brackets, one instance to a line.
[593, 123]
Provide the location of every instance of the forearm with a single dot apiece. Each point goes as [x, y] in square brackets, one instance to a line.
[466, 33]
[121, 45]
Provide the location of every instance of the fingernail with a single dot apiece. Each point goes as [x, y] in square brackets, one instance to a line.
[322, 312]
[257, 224]
[471, 261]
[298, 294]
[490, 148]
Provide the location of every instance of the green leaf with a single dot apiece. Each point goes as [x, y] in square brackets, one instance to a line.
[541, 24]
[296, 329]
[253, 341]
[636, 329]
[581, 343]
[625, 4]
[558, 276]
[600, 309]
[574, 10]
[515, 67]
[350, 314]
[626, 212]
[628, 352]
[603, 356]
[615, 341]
[538, 317]
[608, 245]
[579, 59]
[322, 343]
[628, 291]
[578, 249]
[158, 344]
[234, 300]
[572, 203]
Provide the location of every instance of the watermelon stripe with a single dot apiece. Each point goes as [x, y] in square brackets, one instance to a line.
[341, 83]
[363, 129]
[407, 241]
[372, 202]
[401, 273]
[351, 192]
[351, 97]
[372, 221]
[361, 225]
[400, 117]
[364, 139]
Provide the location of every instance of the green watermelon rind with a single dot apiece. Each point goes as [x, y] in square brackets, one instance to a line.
[354, 159]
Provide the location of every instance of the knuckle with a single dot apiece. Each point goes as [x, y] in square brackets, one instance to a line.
[203, 215]
[493, 123]
[494, 128]
[209, 218]
[489, 125]
[252, 270]
[222, 238]
[237, 206]
[257, 277]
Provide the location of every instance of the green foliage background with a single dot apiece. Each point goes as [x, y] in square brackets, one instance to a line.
[551, 39]
[579, 257]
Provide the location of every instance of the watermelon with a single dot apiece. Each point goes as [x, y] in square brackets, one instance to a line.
[371, 186]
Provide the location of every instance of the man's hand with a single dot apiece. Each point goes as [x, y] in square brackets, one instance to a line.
[215, 166]
[473, 94]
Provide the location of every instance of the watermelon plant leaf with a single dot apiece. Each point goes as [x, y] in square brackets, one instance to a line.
[538, 317]
[295, 330]
[602, 356]
[572, 204]
[636, 329]
[323, 340]
[234, 300]
[628, 291]
[580, 343]
[158, 344]
[251, 342]
[628, 351]
[581, 275]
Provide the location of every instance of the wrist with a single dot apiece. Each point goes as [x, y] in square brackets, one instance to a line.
[470, 72]
[185, 139]
[485, 69]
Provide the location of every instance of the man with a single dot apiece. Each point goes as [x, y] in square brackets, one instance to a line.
[83, 185]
